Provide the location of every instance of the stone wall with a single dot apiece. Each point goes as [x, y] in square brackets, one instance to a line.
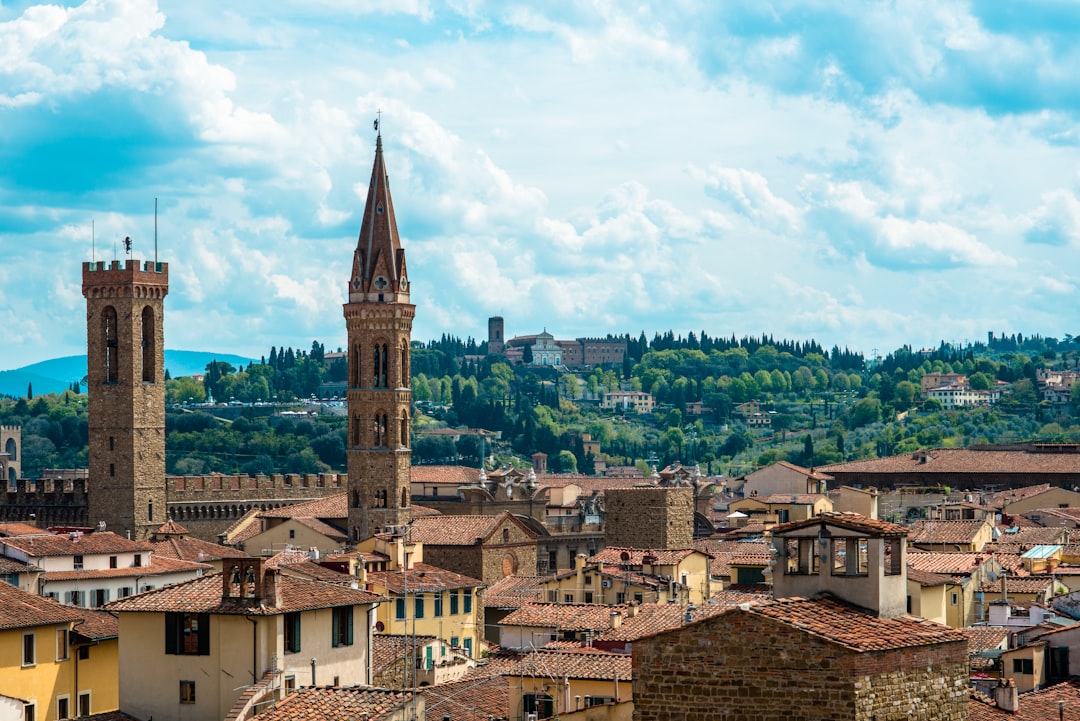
[649, 517]
[742, 667]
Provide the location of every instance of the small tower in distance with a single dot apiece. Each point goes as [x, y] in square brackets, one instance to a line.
[496, 340]
[378, 319]
[125, 384]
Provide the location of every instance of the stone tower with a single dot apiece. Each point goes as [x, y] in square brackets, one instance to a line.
[11, 452]
[126, 388]
[496, 341]
[649, 517]
[378, 318]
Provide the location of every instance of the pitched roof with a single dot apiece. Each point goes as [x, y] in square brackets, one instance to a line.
[86, 544]
[724, 552]
[193, 549]
[421, 578]
[157, 567]
[1028, 584]
[565, 616]
[589, 664]
[927, 578]
[389, 649]
[845, 519]
[950, 564]
[170, 528]
[1032, 536]
[984, 638]
[19, 609]
[471, 699]
[336, 704]
[966, 461]
[16, 528]
[450, 475]
[203, 595]
[514, 592]
[458, 530]
[653, 618]
[799, 499]
[1042, 705]
[14, 565]
[945, 531]
[333, 506]
[97, 625]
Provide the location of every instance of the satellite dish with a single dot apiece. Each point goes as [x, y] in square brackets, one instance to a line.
[379, 626]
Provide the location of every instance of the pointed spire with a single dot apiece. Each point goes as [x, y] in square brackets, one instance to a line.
[378, 272]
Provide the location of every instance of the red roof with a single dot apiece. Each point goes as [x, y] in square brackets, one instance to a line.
[85, 544]
[336, 704]
[846, 519]
[19, 609]
[421, 578]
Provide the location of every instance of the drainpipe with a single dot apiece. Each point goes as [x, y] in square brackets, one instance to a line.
[254, 648]
[313, 672]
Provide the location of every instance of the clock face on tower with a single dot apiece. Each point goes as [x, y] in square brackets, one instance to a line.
[381, 282]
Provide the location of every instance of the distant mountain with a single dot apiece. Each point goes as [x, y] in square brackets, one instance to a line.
[57, 374]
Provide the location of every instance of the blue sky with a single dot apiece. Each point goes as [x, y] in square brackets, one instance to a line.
[868, 174]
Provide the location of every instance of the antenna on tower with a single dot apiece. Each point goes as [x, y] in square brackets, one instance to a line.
[93, 242]
[127, 245]
[378, 121]
[155, 232]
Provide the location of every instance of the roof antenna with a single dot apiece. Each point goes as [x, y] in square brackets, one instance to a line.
[93, 243]
[155, 233]
[378, 118]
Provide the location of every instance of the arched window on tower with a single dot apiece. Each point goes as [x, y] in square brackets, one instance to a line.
[376, 367]
[404, 498]
[404, 374]
[112, 346]
[354, 365]
[380, 430]
[404, 429]
[357, 432]
[149, 348]
[382, 365]
[12, 449]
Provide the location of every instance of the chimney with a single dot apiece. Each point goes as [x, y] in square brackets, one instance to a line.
[632, 609]
[616, 619]
[313, 553]
[1006, 698]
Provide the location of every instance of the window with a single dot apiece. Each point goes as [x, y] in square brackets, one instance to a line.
[292, 533]
[468, 647]
[99, 597]
[29, 712]
[109, 327]
[893, 556]
[399, 609]
[506, 535]
[568, 598]
[112, 561]
[454, 602]
[909, 604]
[588, 597]
[803, 556]
[187, 634]
[466, 594]
[455, 641]
[292, 632]
[29, 649]
[588, 580]
[290, 684]
[850, 557]
[1025, 666]
[63, 707]
[75, 598]
[187, 692]
[84, 703]
[553, 596]
[598, 700]
[538, 703]
[438, 604]
[112, 469]
[77, 562]
[62, 646]
[148, 344]
[123, 592]
[342, 626]
[620, 597]
[138, 562]
[953, 599]
[418, 605]
[84, 653]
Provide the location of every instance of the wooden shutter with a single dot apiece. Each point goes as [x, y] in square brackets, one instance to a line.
[334, 636]
[204, 634]
[172, 632]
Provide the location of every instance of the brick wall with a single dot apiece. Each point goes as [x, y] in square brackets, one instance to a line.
[739, 666]
[649, 517]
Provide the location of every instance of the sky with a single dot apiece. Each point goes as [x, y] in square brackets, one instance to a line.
[867, 174]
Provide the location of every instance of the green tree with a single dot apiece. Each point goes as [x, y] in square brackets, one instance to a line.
[865, 412]
[979, 382]
[567, 462]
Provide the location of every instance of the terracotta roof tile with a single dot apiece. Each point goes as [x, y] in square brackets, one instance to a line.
[845, 519]
[723, 552]
[457, 530]
[19, 609]
[20, 529]
[514, 592]
[193, 549]
[421, 578]
[336, 704]
[86, 544]
[571, 664]
[1029, 584]
[950, 564]
[12, 565]
[966, 461]
[389, 649]
[944, 531]
[157, 567]
[449, 475]
[170, 528]
[616, 556]
[333, 506]
[417, 511]
[654, 618]
[97, 625]
[1033, 536]
[927, 578]
[472, 699]
[801, 499]
[203, 595]
[241, 529]
[984, 638]
[566, 616]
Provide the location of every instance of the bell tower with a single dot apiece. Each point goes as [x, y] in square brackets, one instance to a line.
[378, 318]
[126, 387]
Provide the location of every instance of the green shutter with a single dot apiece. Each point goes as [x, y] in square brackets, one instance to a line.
[172, 632]
[334, 631]
[348, 625]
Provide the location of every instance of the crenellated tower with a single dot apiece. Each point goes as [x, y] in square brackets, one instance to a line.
[125, 384]
[378, 318]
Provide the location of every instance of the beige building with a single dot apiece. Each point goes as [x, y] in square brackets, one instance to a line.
[847, 499]
[636, 401]
[784, 477]
[782, 507]
[948, 536]
[192, 650]
[621, 575]
[588, 678]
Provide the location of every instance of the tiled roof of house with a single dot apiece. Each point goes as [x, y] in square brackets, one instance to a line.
[723, 552]
[193, 549]
[566, 616]
[653, 618]
[471, 699]
[964, 460]
[927, 578]
[1012, 495]
[1033, 536]
[243, 528]
[1068, 514]
[85, 544]
[19, 609]
[1013, 562]
[1042, 705]
[571, 664]
[1029, 584]
[13, 565]
[336, 704]
[417, 511]
[845, 519]
[15, 528]
[97, 625]
[457, 530]
[109, 716]
[514, 592]
[950, 564]
[157, 567]
[298, 563]
[945, 531]
[814, 473]
[333, 506]
[984, 638]
[203, 595]
[170, 528]
[421, 578]
[449, 475]
[616, 556]
[388, 649]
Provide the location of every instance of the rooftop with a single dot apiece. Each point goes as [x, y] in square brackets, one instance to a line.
[333, 506]
[514, 592]
[336, 704]
[565, 616]
[967, 461]
[19, 609]
[421, 578]
[559, 663]
[617, 556]
[85, 544]
[471, 699]
[457, 530]
[945, 531]
[846, 520]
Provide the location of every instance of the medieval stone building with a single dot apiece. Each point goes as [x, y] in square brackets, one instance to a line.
[378, 319]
